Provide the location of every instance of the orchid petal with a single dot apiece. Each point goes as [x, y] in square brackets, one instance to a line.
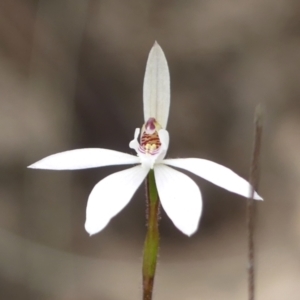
[84, 159]
[180, 198]
[134, 144]
[215, 173]
[156, 91]
[110, 196]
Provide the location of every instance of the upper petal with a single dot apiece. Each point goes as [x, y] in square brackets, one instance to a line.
[84, 159]
[110, 196]
[180, 198]
[215, 173]
[156, 91]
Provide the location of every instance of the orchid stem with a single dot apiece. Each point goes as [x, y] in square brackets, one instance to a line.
[152, 237]
[254, 179]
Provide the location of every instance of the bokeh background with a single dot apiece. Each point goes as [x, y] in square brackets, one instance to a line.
[71, 75]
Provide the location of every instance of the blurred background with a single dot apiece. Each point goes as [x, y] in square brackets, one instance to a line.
[71, 76]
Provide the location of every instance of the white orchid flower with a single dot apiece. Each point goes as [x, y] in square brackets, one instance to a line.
[179, 195]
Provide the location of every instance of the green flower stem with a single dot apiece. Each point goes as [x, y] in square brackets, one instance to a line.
[152, 238]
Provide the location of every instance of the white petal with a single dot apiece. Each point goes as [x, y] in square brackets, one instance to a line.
[84, 159]
[180, 198]
[110, 196]
[156, 92]
[134, 144]
[214, 173]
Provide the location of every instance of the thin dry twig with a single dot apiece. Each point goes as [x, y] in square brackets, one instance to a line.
[254, 180]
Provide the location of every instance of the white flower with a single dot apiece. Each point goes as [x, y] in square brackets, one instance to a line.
[179, 195]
